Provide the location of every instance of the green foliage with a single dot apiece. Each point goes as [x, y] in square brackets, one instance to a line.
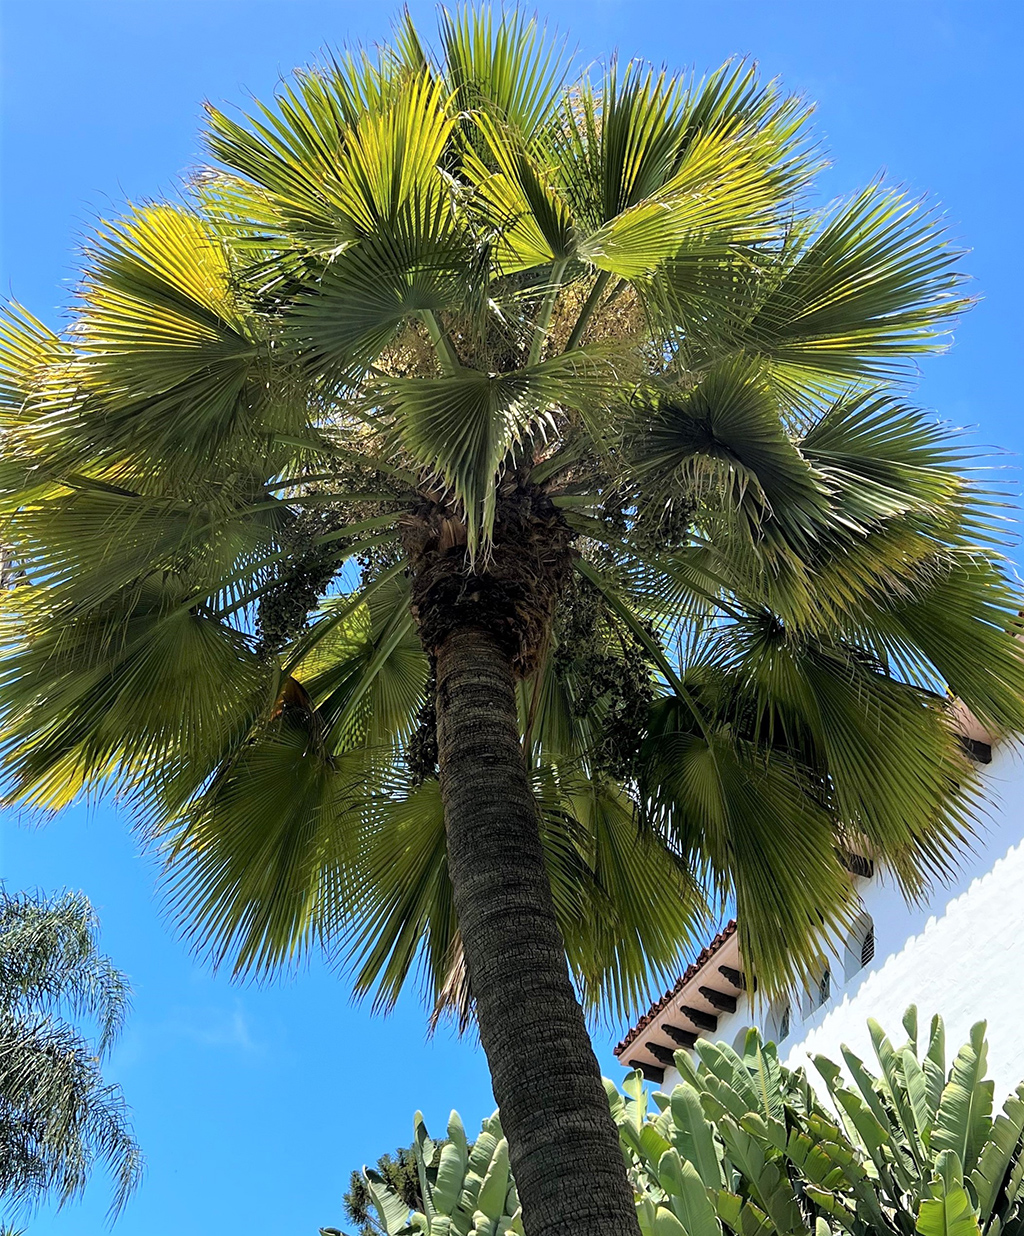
[420, 288]
[744, 1147]
[58, 1117]
[894, 1152]
[399, 1173]
[460, 1188]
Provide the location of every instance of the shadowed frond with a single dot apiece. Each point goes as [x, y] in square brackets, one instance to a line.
[725, 442]
[753, 828]
[625, 908]
[260, 867]
[464, 427]
[142, 688]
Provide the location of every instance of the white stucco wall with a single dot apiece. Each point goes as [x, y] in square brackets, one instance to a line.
[961, 954]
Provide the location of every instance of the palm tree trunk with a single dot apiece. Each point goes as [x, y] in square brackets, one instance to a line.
[563, 1145]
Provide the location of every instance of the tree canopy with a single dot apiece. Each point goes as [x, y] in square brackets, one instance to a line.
[595, 338]
[58, 1117]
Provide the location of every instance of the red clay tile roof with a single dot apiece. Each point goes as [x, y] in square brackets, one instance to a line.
[727, 932]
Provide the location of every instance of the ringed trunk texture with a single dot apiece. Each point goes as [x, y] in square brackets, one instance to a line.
[563, 1145]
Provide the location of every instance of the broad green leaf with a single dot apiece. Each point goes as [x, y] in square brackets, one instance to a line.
[692, 1136]
[999, 1152]
[688, 1196]
[949, 1210]
[450, 1169]
[491, 1197]
[391, 1208]
[964, 1119]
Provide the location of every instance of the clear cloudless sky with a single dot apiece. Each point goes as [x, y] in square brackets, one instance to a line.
[253, 1104]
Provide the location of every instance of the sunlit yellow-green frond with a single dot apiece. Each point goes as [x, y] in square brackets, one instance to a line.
[860, 296]
[507, 67]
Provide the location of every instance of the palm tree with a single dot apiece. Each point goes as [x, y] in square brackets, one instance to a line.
[481, 529]
[58, 1117]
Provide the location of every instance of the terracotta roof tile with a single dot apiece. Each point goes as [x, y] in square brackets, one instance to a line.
[691, 972]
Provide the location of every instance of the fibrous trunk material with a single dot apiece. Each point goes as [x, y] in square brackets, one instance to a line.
[563, 1145]
[509, 589]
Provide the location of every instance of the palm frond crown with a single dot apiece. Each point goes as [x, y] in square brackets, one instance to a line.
[579, 350]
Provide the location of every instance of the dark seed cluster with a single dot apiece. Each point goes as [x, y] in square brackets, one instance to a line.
[421, 754]
[608, 674]
[302, 578]
[664, 529]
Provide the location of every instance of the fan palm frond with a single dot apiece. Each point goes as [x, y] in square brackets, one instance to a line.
[420, 288]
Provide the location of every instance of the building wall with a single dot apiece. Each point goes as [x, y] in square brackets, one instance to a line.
[961, 954]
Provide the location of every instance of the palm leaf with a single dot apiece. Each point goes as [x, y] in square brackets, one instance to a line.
[259, 866]
[723, 442]
[147, 688]
[507, 68]
[463, 426]
[857, 298]
[373, 307]
[751, 826]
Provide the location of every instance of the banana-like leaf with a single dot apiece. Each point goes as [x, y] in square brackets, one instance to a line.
[692, 1137]
[949, 1210]
[688, 1196]
[774, 1159]
[451, 1167]
[998, 1153]
[494, 1187]
[894, 1090]
[392, 1210]
[963, 1122]
[767, 1180]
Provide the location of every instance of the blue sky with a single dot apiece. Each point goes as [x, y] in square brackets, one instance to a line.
[254, 1104]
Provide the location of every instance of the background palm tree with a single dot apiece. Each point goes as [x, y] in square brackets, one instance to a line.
[58, 1117]
[459, 414]
[400, 1174]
